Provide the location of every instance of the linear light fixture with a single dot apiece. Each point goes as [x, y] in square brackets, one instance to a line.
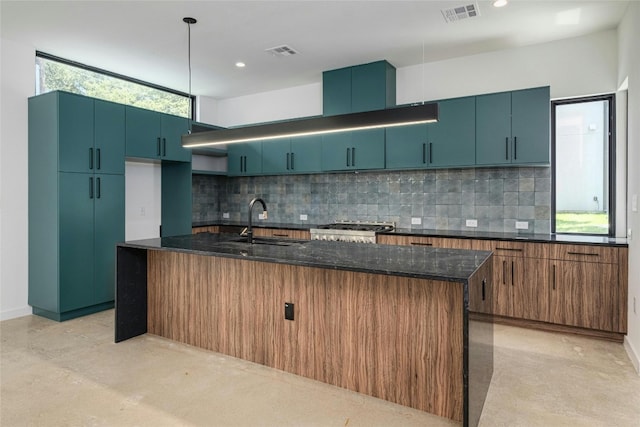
[402, 116]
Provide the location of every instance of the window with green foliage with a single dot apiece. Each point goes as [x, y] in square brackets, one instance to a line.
[584, 165]
[54, 73]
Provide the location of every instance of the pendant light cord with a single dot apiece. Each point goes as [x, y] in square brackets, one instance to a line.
[189, 21]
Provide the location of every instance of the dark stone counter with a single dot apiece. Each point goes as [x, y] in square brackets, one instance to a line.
[411, 261]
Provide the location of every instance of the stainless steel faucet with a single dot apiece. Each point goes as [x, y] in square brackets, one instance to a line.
[264, 215]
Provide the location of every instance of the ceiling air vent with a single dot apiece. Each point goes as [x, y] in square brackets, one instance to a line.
[461, 12]
[283, 50]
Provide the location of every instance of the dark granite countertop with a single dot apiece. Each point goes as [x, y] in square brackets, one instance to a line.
[480, 235]
[420, 262]
[525, 237]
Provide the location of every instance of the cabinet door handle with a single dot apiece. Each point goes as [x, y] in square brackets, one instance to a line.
[583, 253]
[554, 277]
[484, 283]
[90, 158]
[504, 272]
[91, 188]
[348, 157]
[515, 148]
[280, 235]
[430, 152]
[159, 146]
[498, 248]
[421, 244]
[512, 273]
[506, 148]
[292, 161]
[353, 156]
[164, 146]
[424, 153]
[98, 159]
[97, 188]
[288, 155]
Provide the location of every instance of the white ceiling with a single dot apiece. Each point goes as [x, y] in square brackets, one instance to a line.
[148, 39]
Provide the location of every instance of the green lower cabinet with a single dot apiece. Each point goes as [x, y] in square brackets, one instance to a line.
[353, 150]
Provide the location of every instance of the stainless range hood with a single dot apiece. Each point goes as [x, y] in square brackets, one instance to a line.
[402, 116]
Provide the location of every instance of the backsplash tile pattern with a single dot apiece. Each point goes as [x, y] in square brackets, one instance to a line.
[443, 199]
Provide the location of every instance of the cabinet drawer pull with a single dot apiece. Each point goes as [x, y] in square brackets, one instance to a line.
[97, 188]
[430, 152]
[164, 146]
[288, 158]
[98, 159]
[159, 146]
[280, 235]
[512, 273]
[424, 152]
[515, 148]
[292, 161]
[582, 253]
[504, 272]
[484, 283]
[554, 277]
[348, 157]
[90, 158]
[421, 244]
[506, 148]
[91, 188]
[508, 249]
[353, 156]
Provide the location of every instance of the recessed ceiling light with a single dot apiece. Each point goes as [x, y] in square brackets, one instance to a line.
[240, 64]
[500, 3]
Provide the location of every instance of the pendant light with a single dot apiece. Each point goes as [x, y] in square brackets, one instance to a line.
[189, 21]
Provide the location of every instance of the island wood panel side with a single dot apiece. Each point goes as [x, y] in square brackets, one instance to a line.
[622, 291]
[396, 338]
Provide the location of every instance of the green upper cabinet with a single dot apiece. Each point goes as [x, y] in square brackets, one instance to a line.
[452, 140]
[244, 158]
[300, 154]
[360, 88]
[109, 137]
[154, 135]
[513, 127]
[91, 134]
[353, 150]
[448, 143]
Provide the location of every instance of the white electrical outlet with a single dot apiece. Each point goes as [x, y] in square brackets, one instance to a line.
[472, 223]
[416, 221]
[303, 217]
[522, 225]
[261, 216]
[225, 215]
[629, 233]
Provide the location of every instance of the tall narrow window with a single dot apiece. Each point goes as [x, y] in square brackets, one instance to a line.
[583, 165]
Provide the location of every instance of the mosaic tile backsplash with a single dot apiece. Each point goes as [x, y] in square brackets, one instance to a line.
[442, 199]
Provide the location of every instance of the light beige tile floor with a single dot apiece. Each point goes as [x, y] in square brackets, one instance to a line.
[72, 374]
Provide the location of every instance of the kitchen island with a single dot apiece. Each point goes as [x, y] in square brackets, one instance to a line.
[388, 321]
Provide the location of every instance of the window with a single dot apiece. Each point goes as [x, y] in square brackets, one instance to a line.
[583, 159]
[53, 73]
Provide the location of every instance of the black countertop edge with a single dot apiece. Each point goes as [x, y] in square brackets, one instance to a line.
[524, 237]
[451, 265]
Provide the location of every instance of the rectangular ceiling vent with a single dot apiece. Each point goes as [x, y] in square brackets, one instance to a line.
[283, 50]
[459, 13]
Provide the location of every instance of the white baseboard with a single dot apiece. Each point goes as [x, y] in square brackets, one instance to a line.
[633, 354]
[18, 312]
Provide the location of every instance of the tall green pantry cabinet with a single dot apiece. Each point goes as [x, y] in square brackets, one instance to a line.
[76, 203]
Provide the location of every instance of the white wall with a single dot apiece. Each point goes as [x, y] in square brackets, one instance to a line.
[17, 84]
[629, 68]
[142, 200]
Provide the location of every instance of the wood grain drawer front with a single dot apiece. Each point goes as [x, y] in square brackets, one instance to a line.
[500, 247]
[586, 253]
[282, 233]
[435, 242]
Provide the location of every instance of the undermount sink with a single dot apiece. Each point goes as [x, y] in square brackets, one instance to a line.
[242, 241]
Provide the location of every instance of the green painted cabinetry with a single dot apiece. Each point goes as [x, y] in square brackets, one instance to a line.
[153, 135]
[244, 158]
[176, 199]
[300, 154]
[360, 88]
[76, 203]
[448, 143]
[513, 127]
[353, 150]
